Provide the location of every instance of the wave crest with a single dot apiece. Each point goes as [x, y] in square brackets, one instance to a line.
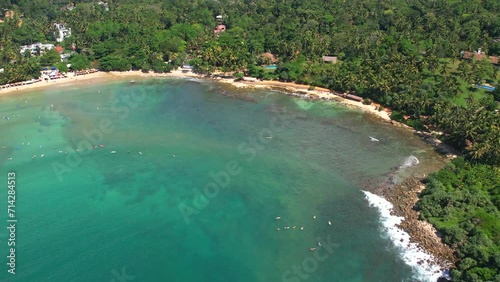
[422, 263]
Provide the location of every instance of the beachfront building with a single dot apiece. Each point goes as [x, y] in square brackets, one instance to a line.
[36, 49]
[62, 32]
[50, 73]
[64, 56]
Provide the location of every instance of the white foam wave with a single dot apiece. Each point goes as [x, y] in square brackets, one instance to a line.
[409, 162]
[410, 253]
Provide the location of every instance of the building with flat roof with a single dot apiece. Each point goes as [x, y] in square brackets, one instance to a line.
[37, 48]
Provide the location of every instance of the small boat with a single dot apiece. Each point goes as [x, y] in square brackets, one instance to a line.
[113, 152]
[329, 223]
[373, 139]
[278, 217]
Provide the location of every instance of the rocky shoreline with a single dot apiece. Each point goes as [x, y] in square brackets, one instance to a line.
[404, 197]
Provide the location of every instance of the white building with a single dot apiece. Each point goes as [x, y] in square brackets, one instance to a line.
[62, 32]
[34, 48]
[65, 57]
[104, 4]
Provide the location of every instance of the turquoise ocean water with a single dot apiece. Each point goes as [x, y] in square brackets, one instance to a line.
[187, 180]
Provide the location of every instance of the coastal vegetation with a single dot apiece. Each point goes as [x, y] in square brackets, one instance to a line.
[463, 202]
[407, 56]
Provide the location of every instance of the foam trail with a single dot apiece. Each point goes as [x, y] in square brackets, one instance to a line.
[410, 253]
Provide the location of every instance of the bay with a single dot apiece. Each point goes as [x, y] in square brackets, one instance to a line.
[187, 180]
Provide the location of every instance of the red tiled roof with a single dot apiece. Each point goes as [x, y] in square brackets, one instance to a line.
[270, 57]
[59, 49]
[469, 55]
[220, 28]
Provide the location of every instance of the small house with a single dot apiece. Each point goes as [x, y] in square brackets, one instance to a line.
[220, 28]
[268, 58]
[65, 57]
[104, 4]
[59, 49]
[495, 60]
[479, 56]
[68, 7]
[62, 32]
[329, 59]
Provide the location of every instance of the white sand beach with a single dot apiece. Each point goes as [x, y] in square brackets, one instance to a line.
[250, 82]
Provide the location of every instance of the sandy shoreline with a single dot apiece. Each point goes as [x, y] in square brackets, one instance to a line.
[70, 80]
[248, 82]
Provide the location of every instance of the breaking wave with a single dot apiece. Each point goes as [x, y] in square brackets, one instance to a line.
[422, 263]
[409, 162]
